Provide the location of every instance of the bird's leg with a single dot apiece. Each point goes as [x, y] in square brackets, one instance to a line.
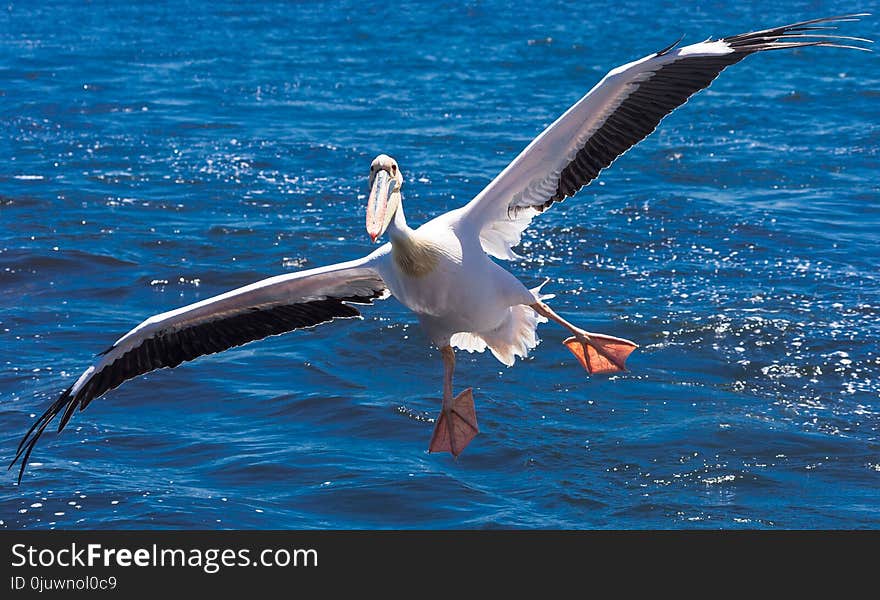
[597, 353]
[457, 424]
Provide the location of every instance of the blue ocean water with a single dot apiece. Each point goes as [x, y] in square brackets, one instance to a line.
[160, 153]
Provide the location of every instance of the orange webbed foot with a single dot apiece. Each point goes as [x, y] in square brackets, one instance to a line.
[599, 353]
[456, 426]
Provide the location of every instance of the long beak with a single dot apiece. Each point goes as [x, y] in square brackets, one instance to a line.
[377, 205]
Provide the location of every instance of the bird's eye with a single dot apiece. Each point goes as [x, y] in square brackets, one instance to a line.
[394, 168]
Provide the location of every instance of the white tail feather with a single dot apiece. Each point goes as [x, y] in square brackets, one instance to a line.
[516, 335]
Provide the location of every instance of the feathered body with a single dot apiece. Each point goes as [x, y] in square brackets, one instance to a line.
[441, 272]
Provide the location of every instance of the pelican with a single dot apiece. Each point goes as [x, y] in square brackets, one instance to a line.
[444, 270]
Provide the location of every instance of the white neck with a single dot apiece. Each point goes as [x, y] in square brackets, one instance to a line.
[398, 230]
[412, 256]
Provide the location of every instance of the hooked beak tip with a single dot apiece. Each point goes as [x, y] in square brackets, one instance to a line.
[374, 237]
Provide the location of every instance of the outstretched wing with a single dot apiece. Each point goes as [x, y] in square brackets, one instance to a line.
[620, 111]
[269, 307]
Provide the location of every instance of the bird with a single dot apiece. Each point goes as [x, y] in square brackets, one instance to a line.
[447, 271]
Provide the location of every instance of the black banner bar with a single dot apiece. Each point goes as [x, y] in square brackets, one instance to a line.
[122, 563]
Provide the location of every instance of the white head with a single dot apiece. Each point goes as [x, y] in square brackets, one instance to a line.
[385, 182]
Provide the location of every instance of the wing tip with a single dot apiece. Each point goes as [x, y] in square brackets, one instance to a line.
[775, 38]
[23, 452]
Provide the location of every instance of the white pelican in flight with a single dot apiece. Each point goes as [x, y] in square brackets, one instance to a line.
[443, 271]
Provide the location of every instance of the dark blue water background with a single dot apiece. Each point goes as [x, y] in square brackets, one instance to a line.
[158, 154]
